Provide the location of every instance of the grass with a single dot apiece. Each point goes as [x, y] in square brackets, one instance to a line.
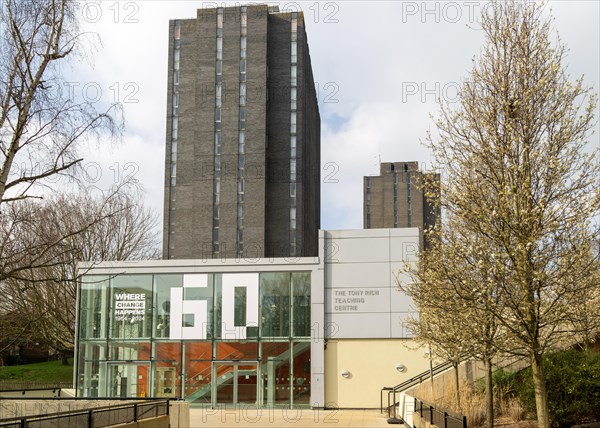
[51, 371]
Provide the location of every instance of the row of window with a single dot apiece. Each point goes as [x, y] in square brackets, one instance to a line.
[409, 199]
[242, 136]
[395, 200]
[217, 146]
[174, 128]
[160, 306]
[368, 204]
[293, 136]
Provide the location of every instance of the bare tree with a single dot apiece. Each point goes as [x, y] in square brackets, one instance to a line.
[41, 122]
[85, 228]
[42, 125]
[518, 175]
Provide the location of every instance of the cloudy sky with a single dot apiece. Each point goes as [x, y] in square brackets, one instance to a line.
[379, 68]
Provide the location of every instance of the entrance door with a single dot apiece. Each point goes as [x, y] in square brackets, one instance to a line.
[235, 382]
[165, 382]
[128, 380]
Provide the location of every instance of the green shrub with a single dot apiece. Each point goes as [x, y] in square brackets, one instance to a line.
[573, 385]
[505, 381]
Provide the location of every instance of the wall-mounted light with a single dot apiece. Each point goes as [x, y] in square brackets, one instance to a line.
[345, 374]
[400, 367]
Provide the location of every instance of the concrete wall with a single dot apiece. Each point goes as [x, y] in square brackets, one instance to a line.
[362, 267]
[372, 365]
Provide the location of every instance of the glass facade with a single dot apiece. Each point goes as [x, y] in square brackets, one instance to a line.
[212, 339]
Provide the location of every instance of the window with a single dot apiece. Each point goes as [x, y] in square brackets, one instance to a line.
[176, 59]
[220, 17]
[240, 306]
[275, 304]
[294, 52]
[293, 122]
[174, 128]
[292, 218]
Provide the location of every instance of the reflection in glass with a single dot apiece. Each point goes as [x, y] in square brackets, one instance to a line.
[276, 372]
[301, 304]
[275, 304]
[162, 302]
[93, 307]
[301, 375]
[196, 369]
[128, 348]
[131, 306]
[166, 359]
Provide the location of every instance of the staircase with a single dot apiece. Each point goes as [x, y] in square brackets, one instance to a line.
[224, 375]
[221, 379]
[394, 390]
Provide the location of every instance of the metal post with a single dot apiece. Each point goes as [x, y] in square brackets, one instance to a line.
[464, 422]
[135, 412]
[431, 369]
[394, 403]
[91, 419]
[445, 419]
[431, 415]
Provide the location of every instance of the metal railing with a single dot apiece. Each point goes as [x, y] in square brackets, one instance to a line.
[392, 391]
[6, 386]
[432, 416]
[93, 418]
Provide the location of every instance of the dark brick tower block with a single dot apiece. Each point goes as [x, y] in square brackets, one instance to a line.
[243, 137]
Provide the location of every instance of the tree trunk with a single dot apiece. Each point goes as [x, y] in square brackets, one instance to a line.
[541, 394]
[457, 386]
[489, 393]
[64, 358]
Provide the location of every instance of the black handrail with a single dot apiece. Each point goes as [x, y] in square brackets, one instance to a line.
[393, 390]
[438, 417]
[89, 414]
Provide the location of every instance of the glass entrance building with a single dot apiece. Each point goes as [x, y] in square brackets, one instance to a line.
[210, 338]
[325, 331]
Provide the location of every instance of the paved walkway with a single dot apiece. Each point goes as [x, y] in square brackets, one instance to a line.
[274, 418]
